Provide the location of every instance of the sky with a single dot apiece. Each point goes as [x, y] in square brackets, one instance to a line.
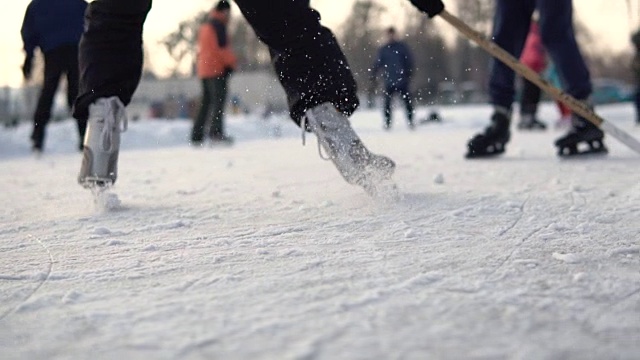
[607, 18]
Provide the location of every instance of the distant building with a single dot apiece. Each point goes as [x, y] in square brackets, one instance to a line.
[174, 98]
[255, 91]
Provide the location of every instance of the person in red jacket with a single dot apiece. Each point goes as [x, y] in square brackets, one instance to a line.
[535, 57]
[216, 61]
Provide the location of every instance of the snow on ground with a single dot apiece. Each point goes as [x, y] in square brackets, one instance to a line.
[261, 251]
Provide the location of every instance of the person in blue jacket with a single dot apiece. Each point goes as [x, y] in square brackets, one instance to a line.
[54, 26]
[395, 61]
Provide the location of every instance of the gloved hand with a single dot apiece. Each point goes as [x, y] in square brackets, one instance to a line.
[27, 67]
[430, 7]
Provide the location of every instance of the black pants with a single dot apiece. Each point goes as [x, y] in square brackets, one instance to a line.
[214, 96]
[307, 58]
[530, 98]
[403, 91]
[57, 62]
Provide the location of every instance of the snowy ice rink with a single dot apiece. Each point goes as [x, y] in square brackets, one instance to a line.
[261, 251]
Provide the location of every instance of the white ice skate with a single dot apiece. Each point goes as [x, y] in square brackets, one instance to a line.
[355, 162]
[107, 119]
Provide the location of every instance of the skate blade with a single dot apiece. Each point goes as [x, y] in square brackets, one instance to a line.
[92, 183]
[221, 144]
[586, 154]
[483, 155]
[488, 152]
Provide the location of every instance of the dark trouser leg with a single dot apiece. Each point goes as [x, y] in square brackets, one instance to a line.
[408, 103]
[110, 52]
[387, 96]
[308, 59]
[510, 29]
[557, 33]
[73, 79]
[530, 98]
[204, 114]
[637, 102]
[54, 65]
[218, 100]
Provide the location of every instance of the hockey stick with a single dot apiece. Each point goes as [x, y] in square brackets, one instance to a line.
[575, 105]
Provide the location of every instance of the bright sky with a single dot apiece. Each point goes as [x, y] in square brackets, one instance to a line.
[607, 18]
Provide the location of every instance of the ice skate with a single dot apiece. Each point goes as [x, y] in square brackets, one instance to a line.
[107, 119]
[584, 138]
[492, 142]
[356, 164]
[221, 140]
[530, 122]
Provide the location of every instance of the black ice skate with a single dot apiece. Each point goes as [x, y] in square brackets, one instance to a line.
[584, 138]
[492, 142]
[356, 164]
[221, 140]
[530, 122]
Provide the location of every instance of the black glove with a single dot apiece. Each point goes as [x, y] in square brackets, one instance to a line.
[27, 67]
[430, 7]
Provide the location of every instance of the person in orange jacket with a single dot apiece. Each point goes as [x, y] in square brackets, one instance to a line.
[216, 61]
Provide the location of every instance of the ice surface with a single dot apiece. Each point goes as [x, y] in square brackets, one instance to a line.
[262, 251]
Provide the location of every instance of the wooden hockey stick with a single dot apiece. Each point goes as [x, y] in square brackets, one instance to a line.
[575, 105]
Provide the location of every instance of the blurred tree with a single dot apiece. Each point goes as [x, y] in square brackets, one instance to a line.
[148, 70]
[252, 53]
[360, 34]
[469, 62]
[431, 56]
[182, 45]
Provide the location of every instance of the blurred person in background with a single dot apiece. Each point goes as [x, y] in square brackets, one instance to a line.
[635, 65]
[395, 62]
[535, 57]
[216, 61]
[511, 25]
[54, 26]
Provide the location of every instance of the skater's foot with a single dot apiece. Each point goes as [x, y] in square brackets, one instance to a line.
[356, 164]
[530, 122]
[221, 139]
[583, 138]
[493, 140]
[107, 119]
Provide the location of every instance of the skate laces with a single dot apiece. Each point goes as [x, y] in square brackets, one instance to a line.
[303, 126]
[115, 119]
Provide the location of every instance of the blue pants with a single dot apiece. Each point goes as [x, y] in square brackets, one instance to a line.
[510, 28]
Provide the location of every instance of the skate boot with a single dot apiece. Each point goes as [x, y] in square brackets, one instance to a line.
[356, 164]
[492, 142]
[583, 138]
[107, 119]
[530, 122]
[221, 140]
